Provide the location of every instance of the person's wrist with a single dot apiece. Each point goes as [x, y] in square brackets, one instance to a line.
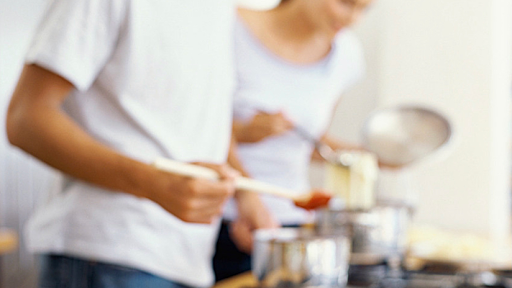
[139, 178]
[244, 195]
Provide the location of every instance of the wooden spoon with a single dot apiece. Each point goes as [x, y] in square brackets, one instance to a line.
[307, 201]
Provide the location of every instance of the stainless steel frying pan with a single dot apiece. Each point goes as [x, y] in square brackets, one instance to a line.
[402, 135]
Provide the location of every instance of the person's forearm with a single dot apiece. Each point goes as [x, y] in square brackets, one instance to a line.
[331, 142]
[252, 213]
[48, 134]
[234, 162]
[339, 145]
[335, 145]
[239, 134]
[36, 124]
[233, 159]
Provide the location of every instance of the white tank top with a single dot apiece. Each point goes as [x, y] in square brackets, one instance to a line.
[306, 93]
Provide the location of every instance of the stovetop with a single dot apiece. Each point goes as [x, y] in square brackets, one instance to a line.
[382, 276]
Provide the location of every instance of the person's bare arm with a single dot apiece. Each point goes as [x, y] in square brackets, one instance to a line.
[37, 125]
[336, 144]
[332, 142]
[252, 213]
[261, 126]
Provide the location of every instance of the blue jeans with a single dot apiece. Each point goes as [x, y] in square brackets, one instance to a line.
[68, 272]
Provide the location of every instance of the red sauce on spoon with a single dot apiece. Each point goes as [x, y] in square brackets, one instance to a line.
[316, 200]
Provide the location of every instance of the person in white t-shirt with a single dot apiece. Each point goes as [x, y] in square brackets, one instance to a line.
[293, 63]
[109, 86]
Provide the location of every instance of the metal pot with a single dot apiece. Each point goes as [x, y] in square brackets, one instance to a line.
[299, 257]
[504, 276]
[376, 234]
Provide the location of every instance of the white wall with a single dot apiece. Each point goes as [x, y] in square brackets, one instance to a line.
[362, 99]
[455, 56]
[23, 181]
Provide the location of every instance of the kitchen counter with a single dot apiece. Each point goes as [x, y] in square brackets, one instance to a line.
[242, 280]
[425, 280]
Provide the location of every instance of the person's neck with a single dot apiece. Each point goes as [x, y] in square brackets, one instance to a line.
[289, 32]
[289, 21]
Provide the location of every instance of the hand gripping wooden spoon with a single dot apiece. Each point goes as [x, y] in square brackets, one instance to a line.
[307, 201]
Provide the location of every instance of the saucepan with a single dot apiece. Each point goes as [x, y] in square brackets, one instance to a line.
[504, 277]
[300, 257]
[376, 234]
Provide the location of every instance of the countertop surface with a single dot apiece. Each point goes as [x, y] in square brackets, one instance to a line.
[245, 280]
[242, 280]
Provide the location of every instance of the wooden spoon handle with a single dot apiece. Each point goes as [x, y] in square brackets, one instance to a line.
[242, 183]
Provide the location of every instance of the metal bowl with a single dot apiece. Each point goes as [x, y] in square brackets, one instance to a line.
[298, 257]
[402, 135]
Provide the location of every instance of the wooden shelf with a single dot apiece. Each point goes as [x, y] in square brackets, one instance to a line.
[8, 241]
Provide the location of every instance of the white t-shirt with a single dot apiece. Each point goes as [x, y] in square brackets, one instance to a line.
[154, 78]
[306, 93]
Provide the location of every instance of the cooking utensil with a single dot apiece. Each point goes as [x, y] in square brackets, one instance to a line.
[297, 257]
[376, 234]
[325, 151]
[504, 276]
[402, 135]
[305, 200]
[354, 183]
[350, 174]
[343, 158]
